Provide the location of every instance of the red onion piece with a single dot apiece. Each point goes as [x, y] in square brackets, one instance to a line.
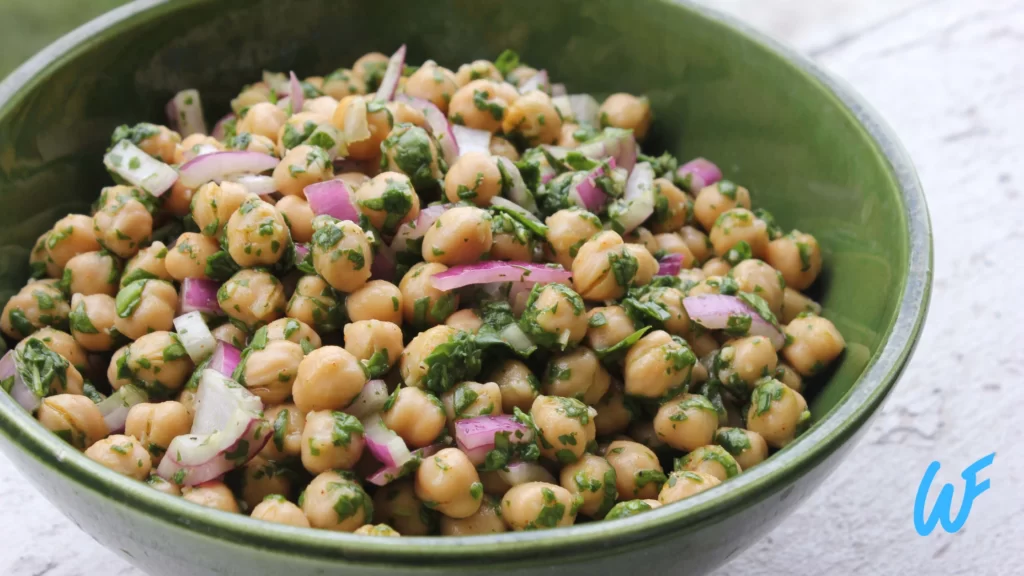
[670, 265]
[439, 126]
[587, 193]
[332, 197]
[200, 294]
[392, 74]
[699, 173]
[476, 455]
[295, 93]
[369, 401]
[523, 472]
[479, 432]
[357, 123]
[219, 165]
[559, 90]
[584, 109]
[538, 81]
[185, 113]
[472, 140]
[115, 407]
[384, 264]
[256, 183]
[217, 399]
[637, 204]
[613, 143]
[387, 447]
[409, 232]
[301, 251]
[715, 311]
[218, 128]
[195, 336]
[389, 474]
[225, 359]
[140, 169]
[19, 390]
[499, 271]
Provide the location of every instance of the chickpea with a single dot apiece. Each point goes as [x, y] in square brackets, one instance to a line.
[341, 253]
[776, 412]
[269, 372]
[159, 361]
[150, 263]
[160, 485]
[378, 530]
[674, 244]
[388, 200]
[189, 256]
[685, 484]
[298, 216]
[747, 448]
[533, 118]
[482, 105]
[253, 143]
[397, 505]
[461, 235]
[376, 344]
[231, 334]
[670, 300]
[417, 416]
[36, 305]
[353, 179]
[329, 378]
[379, 121]
[627, 111]
[155, 425]
[300, 167]
[177, 201]
[294, 331]
[321, 106]
[123, 223]
[411, 151]
[643, 237]
[157, 141]
[92, 273]
[412, 364]
[565, 427]
[742, 363]
[476, 70]
[613, 415]
[315, 303]
[714, 200]
[785, 374]
[567, 137]
[70, 236]
[448, 482]
[122, 454]
[195, 145]
[37, 257]
[517, 385]
[257, 234]
[813, 344]
[297, 128]
[605, 266]
[466, 320]
[502, 147]
[275, 508]
[756, 277]
[253, 297]
[539, 505]
[214, 494]
[474, 177]
[331, 440]
[736, 226]
[263, 119]
[376, 300]
[145, 306]
[213, 205]
[422, 304]
[486, 520]
[593, 480]
[698, 243]
[288, 423]
[343, 82]
[576, 374]
[74, 418]
[797, 256]
[795, 303]
[673, 208]
[686, 422]
[607, 326]
[554, 317]
[113, 376]
[716, 267]
[434, 83]
[568, 231]
[252, 94]
[471, 399]
[512, 241]
[713, 460]
[638, 474]
[335, 501]
[630, 508]
[657, 365]
[370, 68]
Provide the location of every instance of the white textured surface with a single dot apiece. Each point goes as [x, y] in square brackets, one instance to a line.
[949, 76]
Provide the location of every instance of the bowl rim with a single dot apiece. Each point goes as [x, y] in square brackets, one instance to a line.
[839, 425]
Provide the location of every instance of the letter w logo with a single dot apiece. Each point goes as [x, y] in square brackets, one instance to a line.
[942, 512]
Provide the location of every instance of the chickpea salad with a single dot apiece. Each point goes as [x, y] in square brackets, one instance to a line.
[407, 300]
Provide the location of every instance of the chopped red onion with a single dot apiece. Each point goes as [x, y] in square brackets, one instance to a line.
[480, 431]
[389, 474]
[185, 113]
[499, 271]
[218, 166]
[195, 336]
[256, 183]
[587, 193]
[387, 447]
[698, 173]
[584, 109]
[617, 144]
[409, 232]
[523, 472]
[225, 358]
[538, 81]
[140, 169]
[472, 140]
[333, 198]
[439, 126]
[217, 398]
[115, 407]
[392, 74]
[200, 294]
[20, 392]
[357, 123]
[219, 128]
[719, 312]
[670, 265]
[369, 401]
[301, 251]
[475, 455]
[295, 93]
[637, 204]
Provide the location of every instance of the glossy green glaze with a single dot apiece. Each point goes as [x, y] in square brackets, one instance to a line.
[809, 150]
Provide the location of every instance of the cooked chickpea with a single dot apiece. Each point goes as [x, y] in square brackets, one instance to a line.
[150, 263]
[297, 128]
[214, 494]
[686, 422]
[516, 383]
[376, 300]
[739, 225]
[466, 320]
[275, 508]
[315, 303]
[813, 344]
[269, 372]
[116, 380]
[481, 104]
[343, 82]
[250, 95]
[415, 415]
[388, 200]
[671, 243]
[161, 485]
[627, 111]
[370, 68]
[685, 484]
[376, 344]
[335, 501]
[213, 205]
[501, 147]
[410, 150]
[712, 201]
[756, 277]
[795, 303]
[159, 361]
[331, 440]
[74, 418]
[613, 415]
[554, 317]
[263, 119]
[253, 143]
[123, 223]
[155, 425]
[474, 177]
[341, 253]
[670, 300]
[643, 237]
[298, 216]
[195, 145]
[657, 364]
[253, 297]
[607, 326]
[188, 257]
[378, 119]
[92, 273]
[412, 363]
[797, 256]
[231, 334]
[673, 207]
[591, 478]
[716, 267]
[36, 305]
[638, 474]
[486, 520]
[329, 378]
[533, 118]
[145, 306]
[471, 399]
[605, 267]
[397, 505]
[741, 363]
[63, 344]
[776, 412]
[257, 234]
[122, 454]
[568, 231]
[378, 530]
[70, 236]
[538, 505]
[746, 447]
[461, 235]
[353, 179]
[300, 167]
[476, 70]
[712, 460]
[576, 374]
[785, 374]
[565, 427]
[288, 423]
[698, 243]
[157, 141]
[422, 304]
[434, 83]
[448, 482]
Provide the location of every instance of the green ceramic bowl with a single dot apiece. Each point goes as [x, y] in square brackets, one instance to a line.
[810, 150]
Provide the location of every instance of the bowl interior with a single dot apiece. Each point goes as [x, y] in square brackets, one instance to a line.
[769, 123]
